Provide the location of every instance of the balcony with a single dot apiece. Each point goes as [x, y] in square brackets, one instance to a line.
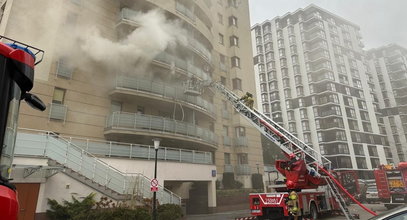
[128, 125]
[57, 111]
[228, 168]
[240, 142]
[227, 141]
[125, 150]
[167, 92]
[181, 65]
[200, 49]
[315, 36]
[243, 169]
[314, 26]
[126, 18]
[312, 17]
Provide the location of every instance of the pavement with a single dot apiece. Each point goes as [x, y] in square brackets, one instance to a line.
[378, 208]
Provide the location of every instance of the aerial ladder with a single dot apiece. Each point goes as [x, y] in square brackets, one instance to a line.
[311, 169]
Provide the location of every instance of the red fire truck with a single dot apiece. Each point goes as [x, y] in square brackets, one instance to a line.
[310, 186]
[17, 61]
[391, 183]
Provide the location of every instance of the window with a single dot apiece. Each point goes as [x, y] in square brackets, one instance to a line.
[303, 113]
[140, 109]
[361, 162]
[234, 41]
[59, 96]
[115, 106]
[242, 159]
[290, 116]
[237, 84]
[280, 43]
[307, 138]
[235, 61]
[240, 131]
[291, 127]
[232, 21]
[223, 80]
[225, 131]
[221, 40]
[305, 125]
[227, 158]
[287, 93]
[300, 91]
[220, 18]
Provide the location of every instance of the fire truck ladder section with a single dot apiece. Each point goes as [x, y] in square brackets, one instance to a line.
[338, 197]
[316, 163]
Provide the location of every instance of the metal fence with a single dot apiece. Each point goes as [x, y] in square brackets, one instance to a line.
[159, 124]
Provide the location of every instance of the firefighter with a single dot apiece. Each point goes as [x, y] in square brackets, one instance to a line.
[293, 205]
[248, 100]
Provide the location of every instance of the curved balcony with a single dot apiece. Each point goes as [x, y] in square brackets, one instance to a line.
[126, 17]
[128, 125]
[166, 92]
[181, 65]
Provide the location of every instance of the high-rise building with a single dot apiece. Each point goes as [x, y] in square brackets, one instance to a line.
[388, 63]
[312, 78]
[117, 74]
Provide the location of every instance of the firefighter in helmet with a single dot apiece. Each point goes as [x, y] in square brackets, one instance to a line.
[248, 100]
[293, 205]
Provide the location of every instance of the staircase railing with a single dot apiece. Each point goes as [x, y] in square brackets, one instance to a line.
[50, 145]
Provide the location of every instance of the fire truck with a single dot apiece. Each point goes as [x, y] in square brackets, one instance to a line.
[391, 183]
[17, 61]
[310, 182]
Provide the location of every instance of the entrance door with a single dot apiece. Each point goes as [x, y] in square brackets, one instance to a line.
[27, 198]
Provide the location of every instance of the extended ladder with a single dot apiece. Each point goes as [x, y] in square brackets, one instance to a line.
[288, 143]
[274, 132]
[338, 197]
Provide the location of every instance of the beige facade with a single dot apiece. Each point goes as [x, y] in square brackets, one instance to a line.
[117, 70]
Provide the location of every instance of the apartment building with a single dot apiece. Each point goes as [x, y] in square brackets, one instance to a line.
[117, 74]
[388, 65]
[312, 77]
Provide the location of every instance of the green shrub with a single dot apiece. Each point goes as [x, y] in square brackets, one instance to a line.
[106, 209]
[169, 212]
[229, 181]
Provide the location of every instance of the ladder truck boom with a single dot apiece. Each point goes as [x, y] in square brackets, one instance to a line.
[306, 168]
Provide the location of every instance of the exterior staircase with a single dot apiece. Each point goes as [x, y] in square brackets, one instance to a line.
[88, 169]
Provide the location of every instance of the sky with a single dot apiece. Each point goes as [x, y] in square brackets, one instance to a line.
[381, 22]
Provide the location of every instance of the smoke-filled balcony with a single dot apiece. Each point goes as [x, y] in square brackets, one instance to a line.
[126, 18]
[129, 127]
[134, 86]
[181, 65]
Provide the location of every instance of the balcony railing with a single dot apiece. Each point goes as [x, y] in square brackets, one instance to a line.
[228, 168]
[227, 141]
[117, 149]
[183, 65]
[127, 15]
[135, 121]
[243, 169]
[241, 142]
[57, 111]
[163, 90]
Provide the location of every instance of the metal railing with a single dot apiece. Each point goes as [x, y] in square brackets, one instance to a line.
[49, 145]
[243, 169]
[116, 149]
[136, 121]
[164, 90]
[127, 14]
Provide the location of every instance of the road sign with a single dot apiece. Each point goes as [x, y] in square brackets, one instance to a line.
[154, 185]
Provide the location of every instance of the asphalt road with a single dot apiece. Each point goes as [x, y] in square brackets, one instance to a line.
[246, 213]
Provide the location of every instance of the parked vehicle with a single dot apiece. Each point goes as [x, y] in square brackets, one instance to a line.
[391, 184]
[399, 213]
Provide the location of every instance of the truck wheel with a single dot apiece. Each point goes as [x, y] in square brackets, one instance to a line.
[313, 212]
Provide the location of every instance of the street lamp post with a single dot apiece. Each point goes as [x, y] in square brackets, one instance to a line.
[156, 146]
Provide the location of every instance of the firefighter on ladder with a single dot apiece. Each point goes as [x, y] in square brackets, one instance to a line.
[293, 205]
[248, 100]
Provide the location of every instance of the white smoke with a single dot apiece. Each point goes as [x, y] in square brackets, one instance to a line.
[154, 35]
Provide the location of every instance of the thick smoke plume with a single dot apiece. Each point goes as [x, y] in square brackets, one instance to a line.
[154, 34]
